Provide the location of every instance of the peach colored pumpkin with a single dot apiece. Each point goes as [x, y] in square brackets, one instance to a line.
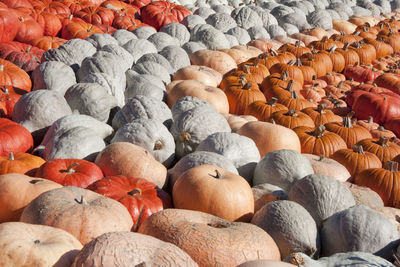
[242, 53]
[209, 240]
[24, 244]
[329, 167]
[269, 136]
[81, 212]
[17, 190]
[365, 196]
[237, 121]
[203, 74]
[213, 95]
[123, 158]
[390, 213]
[265, 263]
[216, 191]
[131, 249]
[216, 60]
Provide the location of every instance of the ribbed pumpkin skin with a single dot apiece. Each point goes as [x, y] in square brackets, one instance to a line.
[130, 249]
[205, 237]
[14, 137]
[322, 196]
[290, 225]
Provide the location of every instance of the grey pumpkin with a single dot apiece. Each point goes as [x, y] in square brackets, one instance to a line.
[246, 18]
[123, 36]
[144, 84]
[177, 57]
[192, 20]
[241, 35]
[153, 68]
[177, 30]
[98, 40]
[221, 21]
[162, 39]
[144, 32]
[138, 48]
[103, 63]
[156, 57]
[186, 103]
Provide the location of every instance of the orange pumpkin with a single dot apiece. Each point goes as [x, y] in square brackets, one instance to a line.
[262, 110]
[292, 119]
[321, 115]
[20, 163]
[14, 76]
[382, 147]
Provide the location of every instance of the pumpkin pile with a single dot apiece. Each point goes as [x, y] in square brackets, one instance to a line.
[222, 133]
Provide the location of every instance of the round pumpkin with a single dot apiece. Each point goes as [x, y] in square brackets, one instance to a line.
[383, 148]
[213, 190]
[20, 163]
[327, 166]
[14, 138]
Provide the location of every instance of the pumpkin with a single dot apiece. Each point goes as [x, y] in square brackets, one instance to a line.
[17, 191]
[148, 250]
[365, 196]
[322, 196]
[356, 160]
[278, 137]
[186, 228]
[266, 193]
[23, 55]
[318, 141]
[294, 72]
[393, 125]
[78, 211]
[216, 60]
[295, 49]
[295, 101]
[8, 100]
[47, 42]
[292, 119]
[28, 28]
[79, 29]
[382, 181]
[345, 231]
[28, 244]
[160, 13]
[14, 138]
[351, 57]
[140, 197]
[368, 124]
[384, 149]
[203, 74]
[263, 110]
[12, 75]
[96, 15]
[20, 163]
[9, 20]
[70, 172]
[321, 115]
[293, 166]
[350, 133]
[381, 131]
[389, 81]
[191, 191]
[327, 166]
[300, 234]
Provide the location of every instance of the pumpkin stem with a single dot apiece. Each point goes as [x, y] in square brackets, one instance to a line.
[34, 181]
[321, 157]
[289, 86]
[346, 46]
[381, 128]
[218, 224]
[296, 259]
[319, 131]
[333, 48]
[272, 102]
[298, 63]
[383, 141]
[392, 166]
[285, 75]
[11, 156]
[347, 122]
[292, 113]
[158, 145]
[247, 86]
[81, 201]
[321, 108]
[217, 175]
[1, 67]
[294, 95]
[184, 137]
[291, 62]
[370, 120]
[70, 169]
[272, 121]
[135, 191]
[37, 241]
[358, 149]
[297, 44]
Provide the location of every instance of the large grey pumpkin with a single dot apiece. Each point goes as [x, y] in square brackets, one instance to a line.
[321, 195]
[221, 21]
[333, 14]
[177, 30]
[142, 106]
[341, 8]
[155, 57]
[296, 19]
[192, 47]
[53, 75]
[290, 225]
[153, 68]
[241, 35]
[246, 17]
[320, 18]
[144, 32]
[98, 40]
[358, 228]
[144, 84]
[212, 38]
[115, 58]
[233, 41]
[258, 32]
[193, 126]
[290, 28]
[162, 39]
[239, 149]
[126, 57]
[75, 143]
[357, 10]
[395, 4]
[223, 9]
[65, 123]
[266, 193]
[37, 110]
[123, 36]
[103, 63]
[282, 168]
[301, 5]
[276, 31]
[150, 134]
[186, 103]
[198, 158]
[204, 12]
[198, 28]
[281, 11]
[72, 53]
[114, 85]
[177, 57]
[353, 259]
[266, 17]
[91, 99]
[192, 20]
[139, 47]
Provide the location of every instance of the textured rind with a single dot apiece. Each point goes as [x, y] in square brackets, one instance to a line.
[209, 240]
[126, 249]
[290, 225]
[358, 228]
[53, 75]
[199, 123]
[321, 195]
[98, 40]
[282, 168]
